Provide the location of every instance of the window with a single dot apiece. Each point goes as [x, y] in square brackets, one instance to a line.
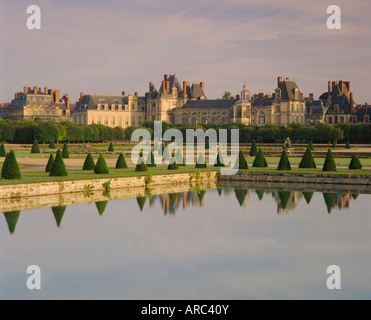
[329, 120]
[214, 117]
[184, 118]
[225, 117]
[354, 119]
[342, 119]
[194, 118]
[261, 118]
[367, 119]
[204, 118]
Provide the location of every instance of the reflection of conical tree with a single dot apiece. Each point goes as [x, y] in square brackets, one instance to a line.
[58, 214]
[173, 198]
[330, 199]
[240, 195]
[101, 206]
[201, 195]
[355, 196]
[12, 219]
[220, 190]
[308, 196]
[284, 197]
[141, 202]
[260, 194]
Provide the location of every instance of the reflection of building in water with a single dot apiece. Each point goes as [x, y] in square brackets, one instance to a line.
[287, 201]
[342, 201]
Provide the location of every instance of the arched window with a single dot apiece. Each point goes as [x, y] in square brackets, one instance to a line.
[244, 113]
[204, 117]
[194, 118]
[262, 118]
[153, 107]
[184, 118]
[225, 118]
[214, 117]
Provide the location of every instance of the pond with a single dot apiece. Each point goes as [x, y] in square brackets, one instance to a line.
[229, 242]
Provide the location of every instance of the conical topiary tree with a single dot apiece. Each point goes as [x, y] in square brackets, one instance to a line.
[308, 196]
[35, 147]
[334, 144]
[121, 162]
[207, 143]
[240, 195]
[311, 146]
[307, 162]
[141, 202]
[12, 219]
[355, 163]
[260, 194]
[49, 166]
[58, 214]
[179, 158]
[253, 149]
[59, 168]
[260, 161]
[101, 166]
[65, 152]
[166, 154]
[174, 165]
[242, 163]
[347, 145]
[151, 161]
[2, 150]
[329, 164]
[52, 145]
[284, 162]
[10, 169]
[101, 206]
[89, 163]
[284, 197]
[111, 148]
[156, 147]
[141, 165]
[219, 160]
[201, 163]
[330, 199]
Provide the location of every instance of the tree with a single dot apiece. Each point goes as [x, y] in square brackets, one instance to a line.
[2, 150]
[227, 95]
[110, 148]
[141, 165]
[260, 194]
[284, 162]
[101, 166]
[308, 196]
[58, 214]
[329, 164]
[35, 147]
[260, 161]
[307, 162]
[174, 165]
[52, 145]
[355, 163]
[240, 195]
[242, 163]
[284, 198]
[219, 160]
[141, 202]
[330, 199]
[347, 145]
[65, 152]
[121, 162]
[166, 154]
[201, 163]
[311, 146]
[50, 163]
[334, 144]
[151, 161]
[179, 158]
[253, 149]
[101, 206]
[12, 219]
[207, 143]
[59, 168]
[10, 168]
[89, 163]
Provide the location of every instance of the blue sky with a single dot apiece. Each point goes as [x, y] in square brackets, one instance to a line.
[109, 46]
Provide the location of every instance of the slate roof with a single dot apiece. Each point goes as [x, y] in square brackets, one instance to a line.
[288, 91]
[266, 102]
[92, 100]
[361, 112]
[32, 99]
[207, 104]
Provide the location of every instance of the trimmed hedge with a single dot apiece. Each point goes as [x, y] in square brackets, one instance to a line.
[355, 163]
[10, 168]
[141, 165]
[151, 161]
[307, 162]
[311, 146]
[65, 152]
[111, 148]
[179, 158]
[121, 162]
[329, 164]
[219, 160]
[89, 163]
[201, 163]
[253, 149]
[2, 150]
[260, 161]
[35, 147]
[59, 168]
[52, 145]
[49, 166]
[101, 166]
[242, 163]
[284, 162]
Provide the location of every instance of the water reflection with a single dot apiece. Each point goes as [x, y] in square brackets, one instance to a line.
[287, 202]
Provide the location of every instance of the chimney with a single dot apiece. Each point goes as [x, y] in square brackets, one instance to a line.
[232, 98]
[366, 107]
[56, 96]
[166, 77]
[66, 100]
[252, 99]
[45, 90]
[123, 93]
[164, 88]
[311, 97]
[341, 84]
[25, 90]
[150, 86]
[329, 88]
[344, 96]
[351, 102]
[334, 84]
[81, 96]
[168, 86]
[347, 84]
[29, 89]
[34, 90]
[202, 85]
[261, 98]
[39, 90]
[136, 93]
[279, 82]
[237, 97]
[184, 88]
